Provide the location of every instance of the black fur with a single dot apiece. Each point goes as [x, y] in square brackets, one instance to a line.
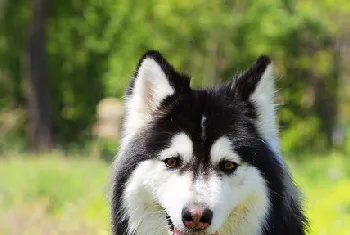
[228, 112]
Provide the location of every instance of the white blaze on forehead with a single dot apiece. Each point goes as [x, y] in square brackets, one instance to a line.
[203, 126]
[180, 144]
[222, 149]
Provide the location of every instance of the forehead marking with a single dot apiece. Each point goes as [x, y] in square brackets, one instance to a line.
[180, 144]
[222, 148]
[203, 126]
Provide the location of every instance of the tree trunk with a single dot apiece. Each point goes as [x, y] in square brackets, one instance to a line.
[37, 87]
[326, 99]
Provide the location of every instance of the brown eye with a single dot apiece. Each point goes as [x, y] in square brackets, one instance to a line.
[228, 166]
[173, 162]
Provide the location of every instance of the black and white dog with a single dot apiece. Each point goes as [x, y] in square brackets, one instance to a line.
[202, 161]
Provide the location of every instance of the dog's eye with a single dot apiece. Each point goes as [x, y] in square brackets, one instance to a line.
[173, 162]
[228, 166]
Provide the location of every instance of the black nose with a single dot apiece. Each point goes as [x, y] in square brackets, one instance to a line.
[186, 214]
[207, 216]
[196, 217]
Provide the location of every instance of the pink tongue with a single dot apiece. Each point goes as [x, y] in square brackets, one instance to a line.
[179, 232]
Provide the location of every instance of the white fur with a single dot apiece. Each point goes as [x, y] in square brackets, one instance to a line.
[181, 145]
[239, 201]
[139, 199]
[243, 204]
[141, 196]
[263, 97]
[243, 201]
[222, 149]
[150, 89]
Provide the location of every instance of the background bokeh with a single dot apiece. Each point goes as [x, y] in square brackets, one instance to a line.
[64, 66]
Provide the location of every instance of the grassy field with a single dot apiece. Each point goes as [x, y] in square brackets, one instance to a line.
[53, 195]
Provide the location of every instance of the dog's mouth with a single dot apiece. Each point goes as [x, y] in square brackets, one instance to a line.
[176, 231]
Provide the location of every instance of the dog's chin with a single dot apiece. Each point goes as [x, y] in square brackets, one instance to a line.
[180, 232]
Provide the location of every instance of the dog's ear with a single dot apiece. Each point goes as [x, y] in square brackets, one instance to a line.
[258, 77]
[256, 85]
[154, 81]
[151, 83]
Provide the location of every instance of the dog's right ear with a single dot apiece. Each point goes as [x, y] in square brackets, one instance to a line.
[154, 81]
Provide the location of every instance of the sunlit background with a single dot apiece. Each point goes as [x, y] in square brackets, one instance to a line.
[64, 66]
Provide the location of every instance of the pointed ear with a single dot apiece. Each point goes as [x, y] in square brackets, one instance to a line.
[246, 83]
[257, 86]
[151, 83]
[154, 81]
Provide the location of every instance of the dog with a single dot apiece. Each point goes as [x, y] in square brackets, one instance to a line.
[202, 161]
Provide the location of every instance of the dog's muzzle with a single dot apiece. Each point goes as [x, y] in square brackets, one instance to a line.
[179, 232]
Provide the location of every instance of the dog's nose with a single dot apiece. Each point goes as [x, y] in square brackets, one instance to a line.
[197, 218]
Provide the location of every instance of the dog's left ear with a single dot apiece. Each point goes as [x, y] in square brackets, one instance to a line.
[257, 86]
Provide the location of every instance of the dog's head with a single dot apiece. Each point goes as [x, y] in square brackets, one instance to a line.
[198, 160]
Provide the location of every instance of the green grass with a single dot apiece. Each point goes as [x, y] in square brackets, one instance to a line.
[325, 182]
[55, 195]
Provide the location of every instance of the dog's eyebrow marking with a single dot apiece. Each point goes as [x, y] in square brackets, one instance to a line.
[180, 144]
[222, 149]
[203, 126]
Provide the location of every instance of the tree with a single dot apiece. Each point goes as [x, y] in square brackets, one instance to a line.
[37, 87]
[92, 48]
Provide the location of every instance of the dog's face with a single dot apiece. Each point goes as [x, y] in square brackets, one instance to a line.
[198, 160]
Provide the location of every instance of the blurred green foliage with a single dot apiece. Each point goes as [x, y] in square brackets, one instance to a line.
[93, 48]
[68, 195]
